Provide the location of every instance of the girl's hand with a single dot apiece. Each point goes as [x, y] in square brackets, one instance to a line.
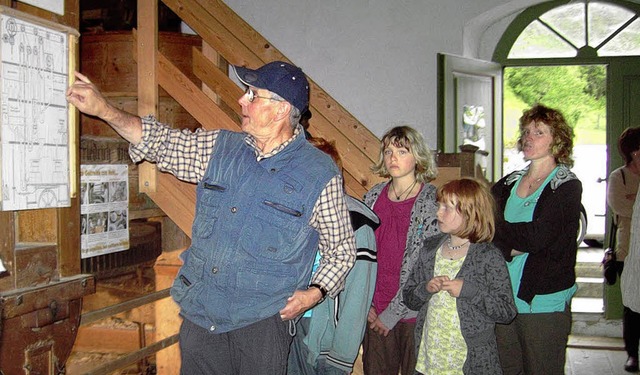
[435, 285]
[378, 327]
[453, 287]
[372, 316]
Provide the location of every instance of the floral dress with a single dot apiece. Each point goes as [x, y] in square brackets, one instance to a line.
[442, 348]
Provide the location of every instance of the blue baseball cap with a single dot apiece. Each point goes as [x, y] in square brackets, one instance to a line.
[281, 78]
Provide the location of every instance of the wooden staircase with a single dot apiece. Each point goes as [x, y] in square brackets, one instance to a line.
[227, 39]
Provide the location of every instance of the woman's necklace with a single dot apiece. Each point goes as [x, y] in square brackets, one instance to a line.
[407, 192]
[533, 181]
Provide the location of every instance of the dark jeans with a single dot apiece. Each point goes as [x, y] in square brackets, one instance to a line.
[386, 355]
[260, 348]
[534, 344]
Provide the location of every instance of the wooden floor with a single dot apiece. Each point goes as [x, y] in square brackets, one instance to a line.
[585, 356]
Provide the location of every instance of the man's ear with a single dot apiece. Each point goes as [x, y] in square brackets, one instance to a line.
[284, 109]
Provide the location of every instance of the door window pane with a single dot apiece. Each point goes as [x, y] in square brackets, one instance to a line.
[625, 43]
[591, 27]
[568, 21]
[605, 19]
[538, 41]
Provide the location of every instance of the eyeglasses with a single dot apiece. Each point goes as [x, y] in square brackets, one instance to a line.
[251, 96]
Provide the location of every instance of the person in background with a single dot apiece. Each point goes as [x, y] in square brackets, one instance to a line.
[538, 210]
[460, 285]
[406, 206]
[622, 188]
[631, 292]
[267, 202]
[304, 121]
[328, 336]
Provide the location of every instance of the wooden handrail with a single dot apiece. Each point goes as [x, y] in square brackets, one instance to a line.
[239, 44]
[93, 316]
[133, 357]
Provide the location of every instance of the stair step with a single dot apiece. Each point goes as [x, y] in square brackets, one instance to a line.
[590, 287]
[587, 305]
[589, 269]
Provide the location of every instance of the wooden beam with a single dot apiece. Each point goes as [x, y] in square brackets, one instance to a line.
[146, 47]
[353, 160]
[177, 199]
[189, 96]
[238, 43]
[7, 246]
[216, 80]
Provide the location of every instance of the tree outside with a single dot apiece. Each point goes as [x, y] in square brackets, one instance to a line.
[579, 92]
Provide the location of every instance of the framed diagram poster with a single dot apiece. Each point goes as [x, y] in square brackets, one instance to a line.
[34, 115]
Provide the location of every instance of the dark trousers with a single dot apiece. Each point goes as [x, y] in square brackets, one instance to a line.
[631, 331]
[534, 344]
[260, 348]
[387, 355]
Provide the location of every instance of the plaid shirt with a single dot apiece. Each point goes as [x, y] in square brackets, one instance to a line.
[185, 154]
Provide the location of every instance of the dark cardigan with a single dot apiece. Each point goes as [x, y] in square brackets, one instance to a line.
[550, 238]
[486, 298]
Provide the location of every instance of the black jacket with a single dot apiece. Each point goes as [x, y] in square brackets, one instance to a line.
[550, 238]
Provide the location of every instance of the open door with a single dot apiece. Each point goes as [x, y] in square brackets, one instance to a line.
[623, 110]
[470, 109]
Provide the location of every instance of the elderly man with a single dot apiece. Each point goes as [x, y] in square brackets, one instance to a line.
[266, 202]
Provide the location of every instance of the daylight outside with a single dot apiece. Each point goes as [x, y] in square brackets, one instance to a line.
[579, 93]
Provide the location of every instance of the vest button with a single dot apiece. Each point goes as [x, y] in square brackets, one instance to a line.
[214, 270]
[212, 328]
[234, 209]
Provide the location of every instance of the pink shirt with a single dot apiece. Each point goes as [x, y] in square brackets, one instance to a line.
[391, 241]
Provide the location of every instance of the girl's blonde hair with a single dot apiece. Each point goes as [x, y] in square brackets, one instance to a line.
[412, 140]
[474, 202]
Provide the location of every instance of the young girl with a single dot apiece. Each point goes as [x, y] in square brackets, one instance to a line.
[406, 206]
[461, 286]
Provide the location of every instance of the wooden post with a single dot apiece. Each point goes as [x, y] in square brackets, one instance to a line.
[147, 82]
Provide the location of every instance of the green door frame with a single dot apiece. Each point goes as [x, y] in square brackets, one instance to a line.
[619, 106]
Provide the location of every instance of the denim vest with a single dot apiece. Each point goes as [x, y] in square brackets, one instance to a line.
[251, 244]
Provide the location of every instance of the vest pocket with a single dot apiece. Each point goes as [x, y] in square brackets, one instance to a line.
[274, 234]
[207, 207]
[188, 283]
[263, 287]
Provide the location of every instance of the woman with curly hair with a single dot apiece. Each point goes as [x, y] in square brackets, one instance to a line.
[536, 230]
[406, 205]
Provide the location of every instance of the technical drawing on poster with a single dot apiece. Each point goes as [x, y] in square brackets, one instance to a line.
[34, 115]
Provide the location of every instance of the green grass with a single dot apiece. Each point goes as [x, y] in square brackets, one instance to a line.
[590, 130]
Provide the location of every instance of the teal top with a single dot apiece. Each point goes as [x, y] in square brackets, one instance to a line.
[519, 210]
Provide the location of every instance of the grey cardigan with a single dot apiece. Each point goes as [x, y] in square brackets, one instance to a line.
[485, 299]
[424, 223]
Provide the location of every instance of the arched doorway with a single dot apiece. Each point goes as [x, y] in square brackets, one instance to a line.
[592, 34]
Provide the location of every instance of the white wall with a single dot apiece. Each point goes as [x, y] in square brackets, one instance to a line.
[378, 57]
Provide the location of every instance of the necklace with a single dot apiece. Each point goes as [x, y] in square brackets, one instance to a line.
[455, 247]
[407, 192]
[533, 181]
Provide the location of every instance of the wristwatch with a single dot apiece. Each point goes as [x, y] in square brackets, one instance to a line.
[322, 290]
